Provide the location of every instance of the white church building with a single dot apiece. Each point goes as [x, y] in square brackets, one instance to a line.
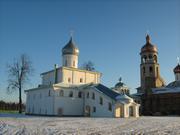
[70, 91]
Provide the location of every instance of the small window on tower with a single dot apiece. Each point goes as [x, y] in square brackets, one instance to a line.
[74, 63]
[144, 70]
[69, 80]
[150, 69]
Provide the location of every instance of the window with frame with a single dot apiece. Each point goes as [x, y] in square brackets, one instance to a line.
[109, 106]
[93, 95]
[101, 101]
[80, 94]
[70, 94]
[94, 109]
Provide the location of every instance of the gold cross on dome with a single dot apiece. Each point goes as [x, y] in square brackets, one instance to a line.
[178, 60]
[71, 33]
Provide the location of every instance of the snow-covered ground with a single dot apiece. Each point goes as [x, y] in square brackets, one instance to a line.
[14, 124]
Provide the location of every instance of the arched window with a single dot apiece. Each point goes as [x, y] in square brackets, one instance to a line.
[150, 56]
[150, 69]
[61, 93]
[101, 101]
[155, 58]
[80, 94]
[70, 94]
[93, 95]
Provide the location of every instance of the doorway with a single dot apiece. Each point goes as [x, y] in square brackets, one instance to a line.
[131, 112]
[88, 111]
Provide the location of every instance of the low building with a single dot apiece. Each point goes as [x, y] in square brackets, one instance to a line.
[70, 91]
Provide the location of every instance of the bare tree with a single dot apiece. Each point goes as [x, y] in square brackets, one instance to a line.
[88, 66]
[19, 72]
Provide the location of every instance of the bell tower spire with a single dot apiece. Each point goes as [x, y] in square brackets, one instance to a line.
[149, 67]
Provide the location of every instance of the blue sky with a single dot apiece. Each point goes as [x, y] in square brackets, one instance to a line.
[110, 33]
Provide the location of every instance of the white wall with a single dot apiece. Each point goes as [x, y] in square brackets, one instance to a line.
[70, 60]
[101, 110]
[40, 101]
[69, 105]
[75, 75]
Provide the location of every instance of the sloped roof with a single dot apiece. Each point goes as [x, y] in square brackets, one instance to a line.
[105, 90]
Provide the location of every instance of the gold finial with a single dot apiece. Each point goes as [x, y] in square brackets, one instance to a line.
[71, 33]
[148, 38]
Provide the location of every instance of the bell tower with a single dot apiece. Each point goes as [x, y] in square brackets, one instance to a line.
[149, 68]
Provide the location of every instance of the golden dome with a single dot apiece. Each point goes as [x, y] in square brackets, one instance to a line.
[148, 47]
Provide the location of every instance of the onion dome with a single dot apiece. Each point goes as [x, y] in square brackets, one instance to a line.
[148, 47]
[70, 48]
[177, 69]
[120, 84]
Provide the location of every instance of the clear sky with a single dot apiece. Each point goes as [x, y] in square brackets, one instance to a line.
[108, 32]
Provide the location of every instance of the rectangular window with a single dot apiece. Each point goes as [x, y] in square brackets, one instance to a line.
[110, 106]
[93, 95]
[94, 109]
[69, 80]
[87, 96]
[101, 100]
[81, 80]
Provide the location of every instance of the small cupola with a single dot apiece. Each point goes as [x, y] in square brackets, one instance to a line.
[177, 69]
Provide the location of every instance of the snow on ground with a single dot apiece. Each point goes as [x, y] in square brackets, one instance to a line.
[15, 124]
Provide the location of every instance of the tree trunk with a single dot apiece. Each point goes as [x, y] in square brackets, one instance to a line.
[20, 101]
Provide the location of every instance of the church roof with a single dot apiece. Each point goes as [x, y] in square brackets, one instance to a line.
[173, 84]
[173, 87]
[107, 91]
[148, 47]
[70, 48]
